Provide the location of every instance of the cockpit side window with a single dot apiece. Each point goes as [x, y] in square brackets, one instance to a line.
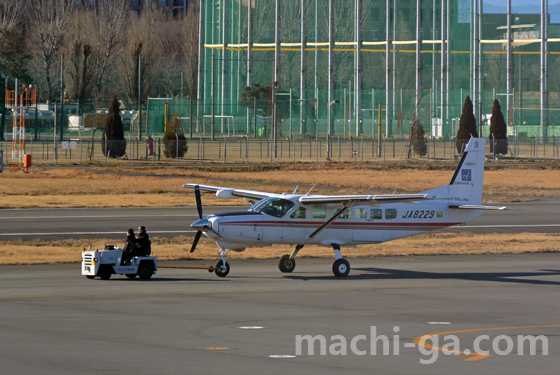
[300, 213]
[276, 207]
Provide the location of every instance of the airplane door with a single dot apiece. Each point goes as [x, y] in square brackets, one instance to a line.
[368, 225]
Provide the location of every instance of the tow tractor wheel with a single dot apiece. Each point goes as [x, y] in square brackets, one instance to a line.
[341, 267]
[104, 273]
[145, 271]
[90, 277]
[286, 264]
[222, 269]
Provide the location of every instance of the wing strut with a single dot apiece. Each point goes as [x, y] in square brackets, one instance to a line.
[328, 222]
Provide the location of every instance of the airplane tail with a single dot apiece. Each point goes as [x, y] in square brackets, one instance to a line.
[466, 185]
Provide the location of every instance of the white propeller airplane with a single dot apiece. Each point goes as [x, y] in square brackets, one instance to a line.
[341, 220]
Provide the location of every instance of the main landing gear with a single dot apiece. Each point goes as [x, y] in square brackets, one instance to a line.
[340, 268]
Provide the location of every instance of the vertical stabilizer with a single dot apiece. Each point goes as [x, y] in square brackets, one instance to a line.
[466, 184]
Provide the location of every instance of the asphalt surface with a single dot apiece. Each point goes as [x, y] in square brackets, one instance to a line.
[55, 321]
[25, 224]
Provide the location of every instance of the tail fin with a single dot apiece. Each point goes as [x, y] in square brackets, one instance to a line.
[466, 184]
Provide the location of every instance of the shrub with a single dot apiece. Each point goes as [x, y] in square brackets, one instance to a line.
[113, 144]
[467, 126]
[418, 138]
[174, 130]
[498, 128]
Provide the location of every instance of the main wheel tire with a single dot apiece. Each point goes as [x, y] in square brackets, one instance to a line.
[145, 271]
[104, 273]
[131, 276]
[341, 267]
[90, 277]
[285, 264]
[222, 269]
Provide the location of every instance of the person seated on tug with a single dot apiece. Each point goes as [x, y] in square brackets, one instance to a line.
[143, 243]
[129, 248]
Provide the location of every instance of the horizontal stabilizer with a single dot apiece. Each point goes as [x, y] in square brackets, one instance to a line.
[474, 207]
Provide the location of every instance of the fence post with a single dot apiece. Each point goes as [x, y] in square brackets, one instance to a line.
[247, 148]
[106, 150]
[177, 149]
[362, 147]
[338, 141]
[294, 147]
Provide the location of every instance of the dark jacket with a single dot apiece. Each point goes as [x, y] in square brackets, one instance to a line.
[143, 243]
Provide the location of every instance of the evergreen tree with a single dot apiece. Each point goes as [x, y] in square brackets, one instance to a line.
[498, 128]
[467, 126]
[417, 138]
[113, 143]
[174, 130]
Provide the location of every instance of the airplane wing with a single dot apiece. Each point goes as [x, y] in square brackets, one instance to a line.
[228, 193]
[373, 199]
[473, 207]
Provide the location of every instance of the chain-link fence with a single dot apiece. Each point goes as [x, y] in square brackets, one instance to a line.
[244, 150]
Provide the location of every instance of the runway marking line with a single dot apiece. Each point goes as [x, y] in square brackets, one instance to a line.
[217, 348]
[252, 291]
[421, 340]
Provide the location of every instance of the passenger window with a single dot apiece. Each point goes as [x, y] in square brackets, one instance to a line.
[376, 214]
[319, 212]
[346, 215]
[391, 213]
[300, 213]
[361, 213]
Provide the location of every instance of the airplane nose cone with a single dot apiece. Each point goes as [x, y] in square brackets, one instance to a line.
[202, 225]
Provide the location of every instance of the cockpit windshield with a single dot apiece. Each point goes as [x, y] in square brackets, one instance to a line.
[276, 207]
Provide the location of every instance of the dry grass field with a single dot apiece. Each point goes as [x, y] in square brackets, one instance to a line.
[162, 187]
[69, 251]
[85, 188]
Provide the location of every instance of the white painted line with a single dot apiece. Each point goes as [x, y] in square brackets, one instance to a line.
[507, 226]
[439, 322]
[282, 356]
[87, 217]
[251, 327]
[96, 233]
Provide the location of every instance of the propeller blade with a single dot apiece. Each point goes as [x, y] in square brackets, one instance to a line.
[198, 201]
[196, 239]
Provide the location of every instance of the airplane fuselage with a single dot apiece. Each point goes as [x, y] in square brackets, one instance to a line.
[360, 224]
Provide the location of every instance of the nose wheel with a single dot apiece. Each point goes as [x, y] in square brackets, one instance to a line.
[221, 268]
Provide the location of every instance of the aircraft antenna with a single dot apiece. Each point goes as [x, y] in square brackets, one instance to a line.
[312, 187]
[295, 190]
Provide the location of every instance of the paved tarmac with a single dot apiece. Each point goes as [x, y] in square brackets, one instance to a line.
[25, 224]
[55, 321]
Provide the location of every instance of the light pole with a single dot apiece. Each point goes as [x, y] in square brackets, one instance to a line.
[329, 128]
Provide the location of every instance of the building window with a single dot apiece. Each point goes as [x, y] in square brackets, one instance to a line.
[162, 3]
[374, 33]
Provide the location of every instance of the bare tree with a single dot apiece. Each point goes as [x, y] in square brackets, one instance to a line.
[48, 23]
[141, 47]
[11, 38]
[110, 20]
[190, 49]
